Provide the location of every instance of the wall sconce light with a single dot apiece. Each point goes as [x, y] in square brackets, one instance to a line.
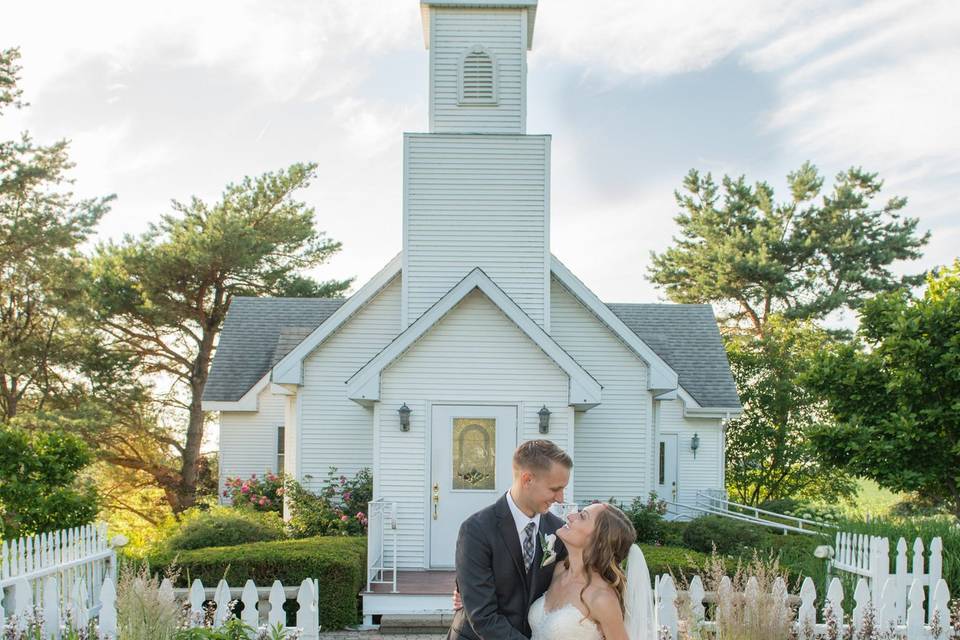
[404, 412]
[695, 444]
[544, 414]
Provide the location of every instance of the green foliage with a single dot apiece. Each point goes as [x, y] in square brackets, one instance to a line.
[339, 562]
[223, 527]
[803, 258]
[769, 453]
[782, 505]
[676, 560]
[647, 517]
[727, 536]
[338, 509]
[233, 629]
[259, 494]
[161, 298]
[39, 485]
[43, 316]
[671, 533]
[895, 393]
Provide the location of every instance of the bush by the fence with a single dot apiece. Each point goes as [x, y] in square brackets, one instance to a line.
[729, 536]
[677, 561]
[223, 527]
[338, 563]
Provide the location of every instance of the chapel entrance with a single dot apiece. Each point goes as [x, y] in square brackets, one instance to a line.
[471, 467]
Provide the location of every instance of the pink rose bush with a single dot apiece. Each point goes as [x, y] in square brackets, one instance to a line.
[259, 494]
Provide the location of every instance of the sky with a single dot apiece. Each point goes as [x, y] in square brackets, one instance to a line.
[177, 99]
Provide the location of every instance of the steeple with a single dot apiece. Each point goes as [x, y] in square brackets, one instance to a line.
[478, 64]
[476, 187]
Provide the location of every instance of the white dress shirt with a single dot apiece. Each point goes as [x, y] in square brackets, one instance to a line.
[521, 520]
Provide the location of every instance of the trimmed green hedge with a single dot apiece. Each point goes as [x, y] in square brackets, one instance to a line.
[674, 560]
[339, 563]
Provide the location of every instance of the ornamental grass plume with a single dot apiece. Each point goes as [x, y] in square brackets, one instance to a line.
[747, 606]
[143, 613]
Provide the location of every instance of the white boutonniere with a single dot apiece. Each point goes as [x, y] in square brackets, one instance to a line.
[546, 544]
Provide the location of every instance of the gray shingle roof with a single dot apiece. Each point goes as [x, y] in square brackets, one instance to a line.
[687, 337]
[257, 333]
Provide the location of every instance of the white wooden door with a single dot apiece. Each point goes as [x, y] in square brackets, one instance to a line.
[667, 467]
[471, 467]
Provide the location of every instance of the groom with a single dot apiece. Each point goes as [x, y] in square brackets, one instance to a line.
[499, 549]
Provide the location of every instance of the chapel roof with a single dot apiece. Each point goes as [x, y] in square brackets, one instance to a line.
[258, 332]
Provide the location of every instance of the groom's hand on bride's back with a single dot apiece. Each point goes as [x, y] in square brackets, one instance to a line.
[457, 602]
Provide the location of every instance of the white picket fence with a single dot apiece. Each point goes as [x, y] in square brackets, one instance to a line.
[257, 609]
[70, 557]
[915, 625]
[869, 558]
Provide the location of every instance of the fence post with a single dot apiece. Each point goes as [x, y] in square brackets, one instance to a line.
[308, 616]
[667, 606]
[108, 609]
[807, 616]
[248, 597]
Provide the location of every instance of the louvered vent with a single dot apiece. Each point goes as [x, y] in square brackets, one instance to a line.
[478, 78]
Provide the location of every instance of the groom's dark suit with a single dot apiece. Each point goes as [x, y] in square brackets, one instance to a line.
[496, 590]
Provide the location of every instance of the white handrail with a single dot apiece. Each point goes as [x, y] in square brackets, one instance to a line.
[742, 517]
[380, 513]
[757, 511]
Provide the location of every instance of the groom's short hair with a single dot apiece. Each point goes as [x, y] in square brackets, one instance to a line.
[538, 455]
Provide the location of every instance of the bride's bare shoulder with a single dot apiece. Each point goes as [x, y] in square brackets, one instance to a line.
[602, 596]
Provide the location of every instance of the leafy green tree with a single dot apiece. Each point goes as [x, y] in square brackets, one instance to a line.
[162, 297]
[41, 270]
[802, 258]
[40, 487]
[768, 447]
[895, 393]
[770, 268]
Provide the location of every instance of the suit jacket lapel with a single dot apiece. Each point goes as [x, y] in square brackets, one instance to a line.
[508, 531]
[538, 573]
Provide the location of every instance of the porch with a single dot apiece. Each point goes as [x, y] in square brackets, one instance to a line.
[392, 591]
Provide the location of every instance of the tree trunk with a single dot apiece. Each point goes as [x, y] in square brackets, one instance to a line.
[187, 493]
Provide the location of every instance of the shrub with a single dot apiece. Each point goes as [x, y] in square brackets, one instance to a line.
[338, 509]
[259, 494]
[647, 517]
[671, 533]
[338, 562]
[786, 506]
[223, 527]
[728, 536]
[676, 561]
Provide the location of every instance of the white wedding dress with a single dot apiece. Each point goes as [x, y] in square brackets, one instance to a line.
[568, 623]
[565, 623]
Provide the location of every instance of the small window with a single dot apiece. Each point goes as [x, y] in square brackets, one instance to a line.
[478, 77]
[281, 448]
[663, 460]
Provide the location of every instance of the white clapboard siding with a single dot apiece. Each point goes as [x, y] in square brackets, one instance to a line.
[248, 439]
[334, 430]
[453, 33]
[475, 354]
[612, 440]
[700, 473]
[476, 201]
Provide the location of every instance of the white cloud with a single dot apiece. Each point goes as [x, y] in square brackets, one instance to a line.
[656, 38]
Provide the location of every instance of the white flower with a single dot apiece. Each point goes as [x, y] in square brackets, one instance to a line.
[546, 544]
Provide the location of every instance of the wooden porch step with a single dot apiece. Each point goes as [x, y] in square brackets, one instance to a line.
[397, 624]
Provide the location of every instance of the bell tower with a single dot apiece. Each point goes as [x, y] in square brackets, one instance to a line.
[476, 187]
[478, 64]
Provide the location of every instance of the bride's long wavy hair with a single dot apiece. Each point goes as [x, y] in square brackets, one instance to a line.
[607, 549]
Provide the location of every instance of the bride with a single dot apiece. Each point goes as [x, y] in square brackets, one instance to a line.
[590, 597]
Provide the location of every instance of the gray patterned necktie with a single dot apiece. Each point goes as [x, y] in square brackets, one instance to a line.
[528, 547]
